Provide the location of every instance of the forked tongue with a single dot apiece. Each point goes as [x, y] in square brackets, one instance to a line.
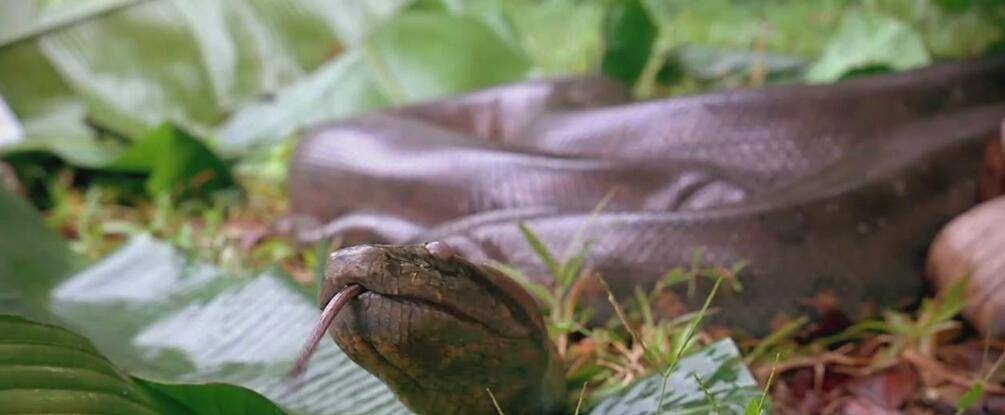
[335, 305]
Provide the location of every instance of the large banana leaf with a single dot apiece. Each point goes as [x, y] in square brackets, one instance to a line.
[46, 369]
[33, 259]
[211, 66]
[711, 381]
[160, 316]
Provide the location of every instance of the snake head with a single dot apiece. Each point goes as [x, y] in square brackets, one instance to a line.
[441, 331]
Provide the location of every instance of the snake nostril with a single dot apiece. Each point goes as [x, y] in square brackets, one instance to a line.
[441, 250]
[353, 259]
[348, 265]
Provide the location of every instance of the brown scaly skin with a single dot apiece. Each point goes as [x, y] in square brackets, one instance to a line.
[440, 331]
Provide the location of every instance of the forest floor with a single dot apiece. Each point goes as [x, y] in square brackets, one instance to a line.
[924, 360]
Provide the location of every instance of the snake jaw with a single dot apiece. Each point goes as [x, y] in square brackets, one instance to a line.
[439, 332]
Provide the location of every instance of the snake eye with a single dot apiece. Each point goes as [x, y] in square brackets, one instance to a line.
[440, 250]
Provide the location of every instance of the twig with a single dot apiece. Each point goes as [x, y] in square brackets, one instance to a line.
[934, 367]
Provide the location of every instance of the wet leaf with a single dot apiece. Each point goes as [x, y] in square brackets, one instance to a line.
[47, 369]
[52, 117]
[177, 163]
[970, 398]
[559, 37]
[191, 63]
[32, 259]
[865, 40]
[628, 40]
[417, 55]
[159, 315]
[888, 389]
[210, 398]
[722, 374]
[424, 55]
[950, 304]
[542, 251]
[342, 87]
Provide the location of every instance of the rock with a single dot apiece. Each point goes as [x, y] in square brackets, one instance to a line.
[974, 244]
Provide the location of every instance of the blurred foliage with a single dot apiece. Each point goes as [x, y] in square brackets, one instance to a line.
[628, 41]
[249, 73]
[32, 258]
[868, 40]
[177, 163]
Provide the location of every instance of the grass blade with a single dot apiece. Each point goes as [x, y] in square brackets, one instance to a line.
[540, 249]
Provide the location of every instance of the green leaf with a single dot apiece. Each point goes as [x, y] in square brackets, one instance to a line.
[160, 315]
[571, 268]
[954, 6]
[950, 304]
[628, 40]
[711, 64]
[736, 25]
[866, 40]
[724, 378]
[53, 118]
[540, 249]
[48, 369]
[970, 398]
[177, 163]
[342, 87]
[33, 259]
[423, 55]
[210, 398]
[415, 56]
[24, 20]
[184, 62]
[188, 62]
[559, 37]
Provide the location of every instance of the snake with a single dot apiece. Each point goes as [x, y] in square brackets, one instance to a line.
[834, 189]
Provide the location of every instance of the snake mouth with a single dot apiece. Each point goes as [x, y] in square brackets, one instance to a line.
[354, 290]
[442, 308]
[426, 286]
[405, 298]
[332, 308]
